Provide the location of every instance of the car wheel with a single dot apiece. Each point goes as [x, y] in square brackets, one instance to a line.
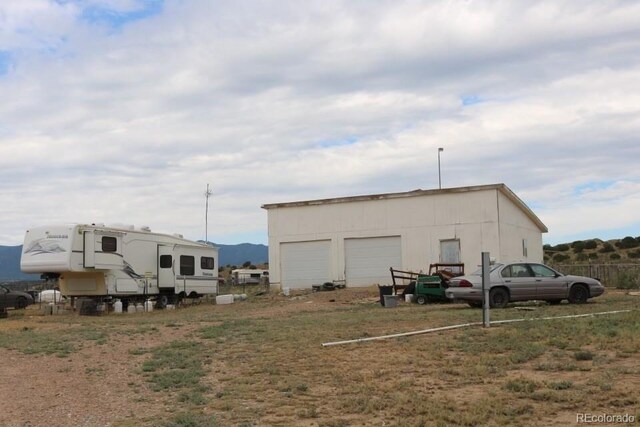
[554, 301]
[498, 298]
[578, 294]
[421, 300]
[21, 303]
[475, 304]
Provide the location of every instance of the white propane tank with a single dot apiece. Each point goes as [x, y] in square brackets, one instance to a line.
[117, 306]
[139, 308]
[131, 308]
[170, 307]
[148, 305]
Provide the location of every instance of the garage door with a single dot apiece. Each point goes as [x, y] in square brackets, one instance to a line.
[368, 260]
[303, 264]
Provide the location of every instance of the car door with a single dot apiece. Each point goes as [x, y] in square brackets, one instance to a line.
[518, 278]
[549, 284]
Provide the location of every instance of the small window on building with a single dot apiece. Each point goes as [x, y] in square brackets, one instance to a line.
[187, 265]
[166, 261]
[450, 251]
[207, 263]
[109, 244]
[524, 248]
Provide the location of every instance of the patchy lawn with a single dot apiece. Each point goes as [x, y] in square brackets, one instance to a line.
[261, 362]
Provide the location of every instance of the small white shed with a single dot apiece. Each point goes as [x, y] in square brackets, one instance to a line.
[357, 239]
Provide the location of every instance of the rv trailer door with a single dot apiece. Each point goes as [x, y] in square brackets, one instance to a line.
[166, 262]
[89, 249]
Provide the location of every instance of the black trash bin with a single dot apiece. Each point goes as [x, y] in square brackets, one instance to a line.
[385, 290]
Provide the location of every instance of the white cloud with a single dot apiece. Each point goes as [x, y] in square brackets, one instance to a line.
[279, 101]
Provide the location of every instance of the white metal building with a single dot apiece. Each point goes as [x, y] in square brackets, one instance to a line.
[356, 239]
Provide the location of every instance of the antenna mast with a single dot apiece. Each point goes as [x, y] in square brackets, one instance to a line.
[206, 215]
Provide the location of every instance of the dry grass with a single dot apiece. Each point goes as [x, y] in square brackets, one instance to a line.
[261, 362]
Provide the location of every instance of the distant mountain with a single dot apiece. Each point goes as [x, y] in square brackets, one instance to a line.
[229, 254]
[10, 264]
[241, 253]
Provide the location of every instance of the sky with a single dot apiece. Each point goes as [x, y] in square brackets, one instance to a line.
[122, 111]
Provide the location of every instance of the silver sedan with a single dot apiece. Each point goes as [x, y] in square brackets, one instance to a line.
[522, 282]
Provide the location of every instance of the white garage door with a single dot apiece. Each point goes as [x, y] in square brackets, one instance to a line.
[368, 260]
[303, 264]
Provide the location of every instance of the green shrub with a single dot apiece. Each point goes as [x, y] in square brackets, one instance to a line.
[634, 254]
[561, 247]
[577, 246]
[546, 247]
[582, 257]
[593, 255]
[583, 355]
[560, 257]
[628, 279]
[521, 385]
[627, 243]
[607, 247]
[615, 256]
[590, 244]
[561, 385]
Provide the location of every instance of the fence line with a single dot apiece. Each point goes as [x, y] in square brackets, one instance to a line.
[611, 275]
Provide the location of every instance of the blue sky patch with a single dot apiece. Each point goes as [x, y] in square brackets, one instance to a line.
[5, 61]
[591, 187]
[336, 142]
[470, 99]
[116, 19]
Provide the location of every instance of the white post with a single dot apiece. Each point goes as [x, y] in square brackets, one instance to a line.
[439, 176]
[486, 284]
[206, 215]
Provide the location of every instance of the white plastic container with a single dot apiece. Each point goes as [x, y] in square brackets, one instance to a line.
[408, 297]
[117, 306]
[170, 307]
[286, 291]
[131, 308]
[148, 305]
[224, 299]
[139, 308]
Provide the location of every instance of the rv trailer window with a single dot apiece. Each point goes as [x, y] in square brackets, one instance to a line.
[207, 263]
[187, 265]
[166, 261]
[109, 244]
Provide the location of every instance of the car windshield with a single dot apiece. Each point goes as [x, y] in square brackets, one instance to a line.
[478, 272]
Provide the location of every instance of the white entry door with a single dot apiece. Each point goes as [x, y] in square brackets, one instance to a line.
[367, 260]
[303, 264]
[166, 267]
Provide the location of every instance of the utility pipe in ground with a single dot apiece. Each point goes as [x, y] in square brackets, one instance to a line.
[466, 325]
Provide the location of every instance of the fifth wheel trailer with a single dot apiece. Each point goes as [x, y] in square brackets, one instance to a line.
[132, 264]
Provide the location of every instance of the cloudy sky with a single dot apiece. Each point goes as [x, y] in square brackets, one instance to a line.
[122, 111]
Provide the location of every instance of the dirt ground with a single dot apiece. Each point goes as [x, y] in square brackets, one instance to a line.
[264, 365]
